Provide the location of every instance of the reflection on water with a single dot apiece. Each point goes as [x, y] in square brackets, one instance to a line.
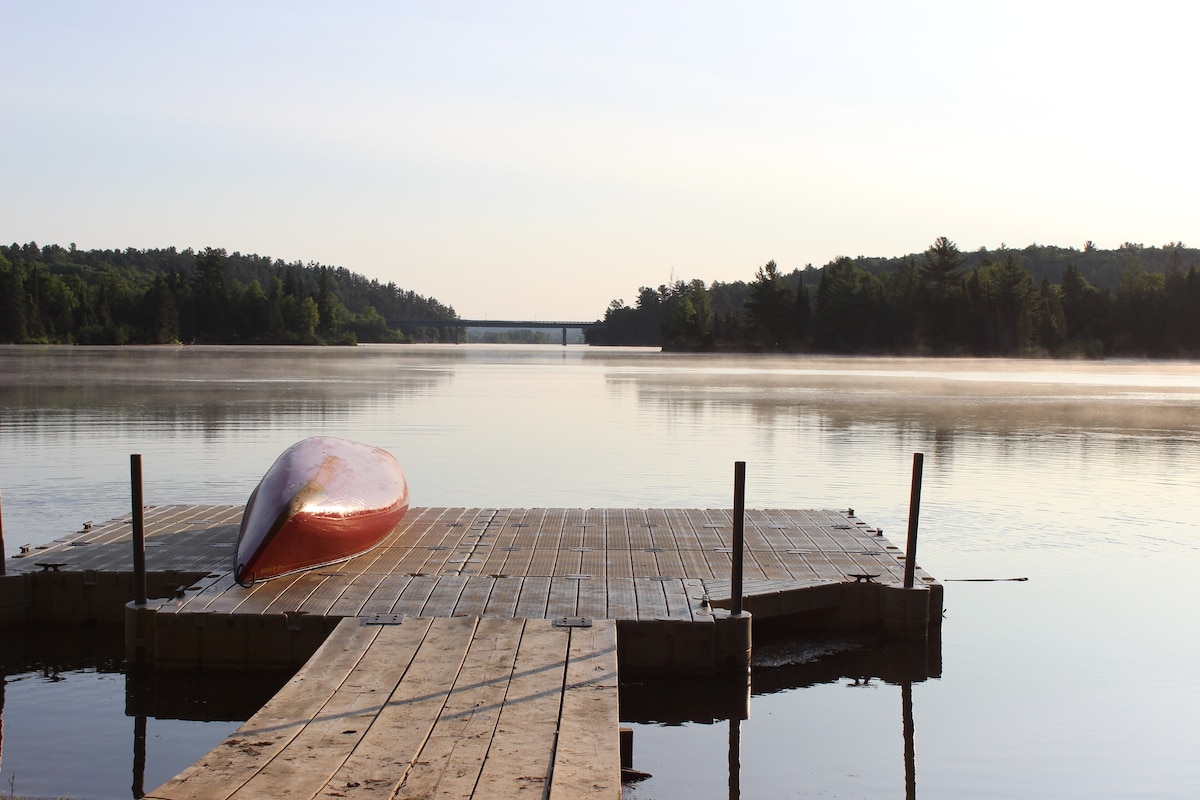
[74, 724]
[1080, 476]
[209, 388]
[661, 710]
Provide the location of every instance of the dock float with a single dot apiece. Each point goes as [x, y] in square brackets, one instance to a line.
[417, 706]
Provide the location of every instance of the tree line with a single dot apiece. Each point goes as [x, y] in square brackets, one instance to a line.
[62, 295]
[1132, 301]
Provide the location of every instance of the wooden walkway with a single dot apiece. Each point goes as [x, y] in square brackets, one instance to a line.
[456, 707]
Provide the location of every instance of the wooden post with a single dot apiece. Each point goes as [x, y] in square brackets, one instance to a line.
[914, 513]
[2, 558]
[910, 750]
[139, 756]
[735, 759]
[739, 535]
[139, 532]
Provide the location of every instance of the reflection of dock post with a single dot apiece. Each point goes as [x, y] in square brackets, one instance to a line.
[2, 559]
[734, 641]
[910, 749]
[735, 759]
[139, 757]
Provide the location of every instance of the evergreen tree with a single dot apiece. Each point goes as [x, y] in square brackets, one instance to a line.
[770, 309]
[13, 321]
[211, 295]
[941, 300]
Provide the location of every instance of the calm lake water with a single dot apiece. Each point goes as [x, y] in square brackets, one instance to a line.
[1083, 477]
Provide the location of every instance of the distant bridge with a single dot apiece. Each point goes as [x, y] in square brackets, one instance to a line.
[515, 324]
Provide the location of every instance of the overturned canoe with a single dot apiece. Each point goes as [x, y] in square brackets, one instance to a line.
[324, 500]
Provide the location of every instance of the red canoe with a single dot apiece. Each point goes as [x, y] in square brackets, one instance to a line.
[324, 500]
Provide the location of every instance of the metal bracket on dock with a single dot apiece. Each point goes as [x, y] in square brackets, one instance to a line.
[859, 577]
[572, 622]
[383, 619]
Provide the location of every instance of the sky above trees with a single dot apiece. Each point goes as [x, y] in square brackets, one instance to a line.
[537, 160]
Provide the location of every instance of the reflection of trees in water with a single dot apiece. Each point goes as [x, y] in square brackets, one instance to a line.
[939, 413]
[210, 390]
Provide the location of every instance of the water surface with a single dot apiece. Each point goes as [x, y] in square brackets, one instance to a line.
[1083, 477]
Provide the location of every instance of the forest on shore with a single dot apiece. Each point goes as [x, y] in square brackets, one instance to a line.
[1134, 301]
[59, 295]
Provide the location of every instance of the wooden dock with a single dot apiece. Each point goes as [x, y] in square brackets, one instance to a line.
[475, 652]
[662, 574]
[459, 707]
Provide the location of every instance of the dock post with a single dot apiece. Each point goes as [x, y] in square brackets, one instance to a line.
[733, 629]
[914, 512]
[905, 609]
[139, 756]
[139, 532]
[910, 750]
[2, 557]
[739, 536]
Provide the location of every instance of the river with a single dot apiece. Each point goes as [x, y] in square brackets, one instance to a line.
[1082, 477]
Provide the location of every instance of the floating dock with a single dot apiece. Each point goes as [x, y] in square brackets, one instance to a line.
[499, 598]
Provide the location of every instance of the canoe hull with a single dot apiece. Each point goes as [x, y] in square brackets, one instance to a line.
[324, 500]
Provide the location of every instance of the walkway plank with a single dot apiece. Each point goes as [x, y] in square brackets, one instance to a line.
[522, 750]
[589, 747]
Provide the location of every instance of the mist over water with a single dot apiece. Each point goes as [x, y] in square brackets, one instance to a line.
[1083, 477]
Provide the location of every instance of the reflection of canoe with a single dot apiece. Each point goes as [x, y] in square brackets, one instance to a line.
[324, 500]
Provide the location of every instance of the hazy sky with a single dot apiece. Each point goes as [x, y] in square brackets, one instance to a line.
[539, 159]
